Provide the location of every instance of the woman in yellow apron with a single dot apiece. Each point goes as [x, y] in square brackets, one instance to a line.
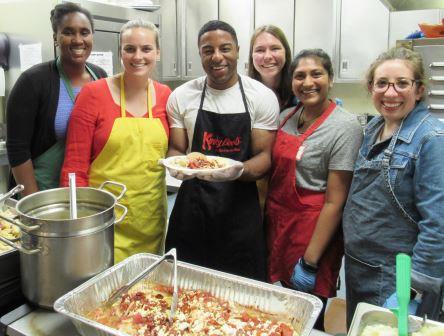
[42, 99]
[118, 131]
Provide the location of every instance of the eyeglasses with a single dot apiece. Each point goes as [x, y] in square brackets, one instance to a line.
[400, 85]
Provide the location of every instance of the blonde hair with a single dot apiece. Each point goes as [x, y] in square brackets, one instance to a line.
[139, 23]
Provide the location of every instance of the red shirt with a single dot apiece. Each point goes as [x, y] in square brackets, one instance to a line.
[91, 123]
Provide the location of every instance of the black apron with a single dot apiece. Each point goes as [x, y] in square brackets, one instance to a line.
[219, 224]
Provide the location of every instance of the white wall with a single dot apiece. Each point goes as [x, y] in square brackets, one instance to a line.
[355, 96]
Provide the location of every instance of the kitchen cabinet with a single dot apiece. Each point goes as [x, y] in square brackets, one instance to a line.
[169, 38]
[277, 12]
[196, 14]
[315, 25]
[406, 22]
[181, 21]
[240, 15]
[363, 35]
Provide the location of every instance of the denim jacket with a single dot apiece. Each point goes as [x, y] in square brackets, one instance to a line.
[417, 179]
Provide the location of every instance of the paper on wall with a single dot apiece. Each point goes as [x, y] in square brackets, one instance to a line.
[30, 54]
[103, 59]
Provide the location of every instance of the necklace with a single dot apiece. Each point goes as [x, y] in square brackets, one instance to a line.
[308, 122]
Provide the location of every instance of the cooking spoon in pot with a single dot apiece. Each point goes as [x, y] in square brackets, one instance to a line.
[72, 196]
[170, 255]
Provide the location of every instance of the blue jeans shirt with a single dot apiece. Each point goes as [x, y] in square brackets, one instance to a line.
[417, 177]
[395, 209]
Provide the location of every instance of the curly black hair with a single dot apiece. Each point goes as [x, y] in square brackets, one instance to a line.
[63, 9]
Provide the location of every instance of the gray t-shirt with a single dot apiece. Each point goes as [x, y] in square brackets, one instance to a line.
[334, 145]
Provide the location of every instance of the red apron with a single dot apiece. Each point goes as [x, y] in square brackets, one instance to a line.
[292, 213]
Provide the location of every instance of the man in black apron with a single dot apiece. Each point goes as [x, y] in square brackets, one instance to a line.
[218, 224]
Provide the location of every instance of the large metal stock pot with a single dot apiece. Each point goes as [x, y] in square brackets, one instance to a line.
[58, 253]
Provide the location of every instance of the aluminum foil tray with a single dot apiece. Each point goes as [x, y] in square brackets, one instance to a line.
[368, 314]
[301, 307]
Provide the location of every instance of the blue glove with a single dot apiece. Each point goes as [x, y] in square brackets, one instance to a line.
[339, 102]
[392, 302]
[302, 279]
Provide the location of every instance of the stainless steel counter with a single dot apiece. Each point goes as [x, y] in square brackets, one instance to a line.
[3, 157]
[42, 322]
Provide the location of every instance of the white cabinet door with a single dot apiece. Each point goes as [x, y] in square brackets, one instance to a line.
[404, 23]
[239, 14]
[196, 14]
[363, 36]
[315, 25]
[276, 12]
[169, 49]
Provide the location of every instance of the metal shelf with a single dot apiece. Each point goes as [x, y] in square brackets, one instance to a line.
[151, 8]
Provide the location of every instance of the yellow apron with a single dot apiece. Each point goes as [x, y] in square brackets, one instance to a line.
[130, 157]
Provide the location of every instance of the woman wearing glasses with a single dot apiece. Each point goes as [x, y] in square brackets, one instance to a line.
[396, 201]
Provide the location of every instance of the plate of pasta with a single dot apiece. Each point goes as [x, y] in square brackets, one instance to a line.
[196, 163]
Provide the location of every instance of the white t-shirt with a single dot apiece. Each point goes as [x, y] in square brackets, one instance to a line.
[184, 101]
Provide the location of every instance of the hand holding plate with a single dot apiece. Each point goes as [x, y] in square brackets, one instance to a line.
[230, 174]
[180, 175]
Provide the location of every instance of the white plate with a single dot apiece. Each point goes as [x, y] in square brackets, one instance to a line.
[170, 164]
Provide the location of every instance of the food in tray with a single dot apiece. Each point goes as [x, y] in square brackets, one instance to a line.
[8, 231]
[384, 330]
[144, 310]
[196, 160]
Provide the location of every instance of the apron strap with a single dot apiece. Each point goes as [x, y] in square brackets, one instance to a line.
[123, 101]
[320, 120]
[315, 125]
[91, 72]
[66, 80]
[150, 111]
[296, 108]
[202, 96]
[244, 99]
[388, 152]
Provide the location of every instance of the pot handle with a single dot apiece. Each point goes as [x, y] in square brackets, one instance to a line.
[20, 225]
[18, 188]
[125, 210]
[117, 184]
[20, 248]
[11, 203]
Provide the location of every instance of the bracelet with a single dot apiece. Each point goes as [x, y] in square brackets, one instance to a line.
[308, 267]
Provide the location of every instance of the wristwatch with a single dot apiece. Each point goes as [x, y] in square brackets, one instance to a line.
[308, 267]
